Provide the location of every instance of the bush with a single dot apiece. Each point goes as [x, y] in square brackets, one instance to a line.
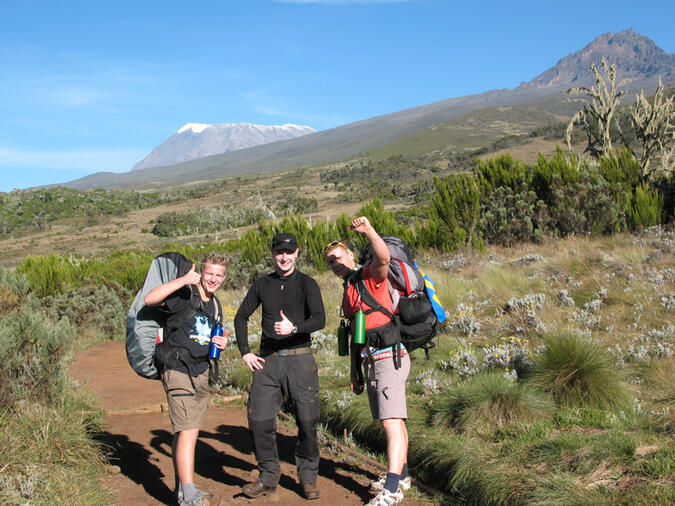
[33, 350]
[92, 306]
[579, 372]
[645, 208]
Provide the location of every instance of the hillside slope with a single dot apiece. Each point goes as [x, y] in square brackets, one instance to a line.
[644, 61]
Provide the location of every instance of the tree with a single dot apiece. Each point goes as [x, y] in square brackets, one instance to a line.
[597, 116]
[654, 126]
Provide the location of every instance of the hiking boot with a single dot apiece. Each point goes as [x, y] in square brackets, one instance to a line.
[378, 485]
[386, 498]
[310, 491]
[256, 489]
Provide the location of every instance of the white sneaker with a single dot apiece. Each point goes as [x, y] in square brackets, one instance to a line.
[378, 485]
[386, 498]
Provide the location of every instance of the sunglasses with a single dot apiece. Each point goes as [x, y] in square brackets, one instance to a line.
[333, 244]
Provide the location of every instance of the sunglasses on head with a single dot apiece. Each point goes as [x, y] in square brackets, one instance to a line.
[334, 244]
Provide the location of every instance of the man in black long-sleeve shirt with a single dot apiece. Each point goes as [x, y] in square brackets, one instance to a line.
[292, 308]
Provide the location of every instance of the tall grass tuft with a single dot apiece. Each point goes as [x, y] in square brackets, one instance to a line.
[579, 372]
[489, 399]
[48, 456]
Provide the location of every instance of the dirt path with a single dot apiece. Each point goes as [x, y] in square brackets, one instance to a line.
[140, 436]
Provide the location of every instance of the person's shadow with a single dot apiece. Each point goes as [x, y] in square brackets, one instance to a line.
[139, 465]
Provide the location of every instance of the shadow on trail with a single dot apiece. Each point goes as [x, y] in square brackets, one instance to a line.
[240, 439]
[139, 464]
[209, 462]
[135, 462]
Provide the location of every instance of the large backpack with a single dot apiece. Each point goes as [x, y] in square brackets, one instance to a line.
[419, 310]
[144, 322]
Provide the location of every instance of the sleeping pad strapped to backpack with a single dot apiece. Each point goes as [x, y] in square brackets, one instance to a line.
[144, 322]
[419, 310]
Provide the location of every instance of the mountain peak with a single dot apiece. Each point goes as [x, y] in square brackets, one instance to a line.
[193, 127]
[197, 140]
[635, 56]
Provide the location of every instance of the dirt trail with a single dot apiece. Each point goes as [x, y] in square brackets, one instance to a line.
[140, 437]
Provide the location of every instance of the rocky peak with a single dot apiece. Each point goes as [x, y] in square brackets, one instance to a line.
[636, 57]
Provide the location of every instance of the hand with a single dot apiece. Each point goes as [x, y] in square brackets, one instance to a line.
[357, 388]
[253, 361]
[361, 225]
[192, 277]
[220, 341]
[283, 327]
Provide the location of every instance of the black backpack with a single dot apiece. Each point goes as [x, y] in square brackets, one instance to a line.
[417, 319]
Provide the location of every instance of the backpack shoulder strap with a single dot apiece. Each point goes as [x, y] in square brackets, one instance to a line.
[369, 299]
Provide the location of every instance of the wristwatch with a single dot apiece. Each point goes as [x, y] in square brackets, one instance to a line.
[295, 329]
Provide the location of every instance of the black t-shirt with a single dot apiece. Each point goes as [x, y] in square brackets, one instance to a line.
[190, 329]
[297, 295]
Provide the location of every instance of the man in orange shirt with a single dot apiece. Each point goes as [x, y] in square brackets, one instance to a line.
[385, 360]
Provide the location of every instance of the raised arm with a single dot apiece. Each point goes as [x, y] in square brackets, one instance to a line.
[381, 256]
[158, 295]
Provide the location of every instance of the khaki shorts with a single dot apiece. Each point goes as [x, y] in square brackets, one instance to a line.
[386, 387]
[187, 407]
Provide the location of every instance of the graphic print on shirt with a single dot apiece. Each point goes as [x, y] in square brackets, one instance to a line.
[201, 330]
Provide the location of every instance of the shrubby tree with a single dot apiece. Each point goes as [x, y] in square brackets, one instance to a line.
[598, 115]
[654, 125]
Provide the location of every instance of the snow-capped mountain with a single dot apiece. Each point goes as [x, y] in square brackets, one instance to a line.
[197, 140]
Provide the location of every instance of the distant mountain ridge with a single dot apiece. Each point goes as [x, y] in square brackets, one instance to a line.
[636, 57]
[197, 140]
[643, 61]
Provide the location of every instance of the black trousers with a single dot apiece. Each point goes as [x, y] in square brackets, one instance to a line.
[296, 378]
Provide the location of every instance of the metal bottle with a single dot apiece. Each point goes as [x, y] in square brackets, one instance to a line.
[343, 339]
[360, 327]
[214, 351]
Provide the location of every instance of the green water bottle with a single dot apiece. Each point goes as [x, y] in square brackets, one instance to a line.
[343, 341]
[360, 327]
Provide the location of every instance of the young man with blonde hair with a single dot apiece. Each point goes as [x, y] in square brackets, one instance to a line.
[182, 358]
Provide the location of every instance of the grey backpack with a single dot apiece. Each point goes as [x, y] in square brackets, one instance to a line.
[144, 322]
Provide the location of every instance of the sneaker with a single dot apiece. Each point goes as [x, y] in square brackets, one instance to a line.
[201, 495]
[197, 501]
[386, 498]
[378, 485]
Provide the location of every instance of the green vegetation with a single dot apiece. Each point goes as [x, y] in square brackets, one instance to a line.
[552, 382]
[213, 220]
[46, 424]
[35, 209]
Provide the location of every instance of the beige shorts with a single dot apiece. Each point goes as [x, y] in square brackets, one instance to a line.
[386, 387]
[187, 407]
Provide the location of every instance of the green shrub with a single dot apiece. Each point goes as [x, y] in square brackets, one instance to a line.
[92, 306]
[454, 213]
[579, 372]
[645, 207]
[33, 350]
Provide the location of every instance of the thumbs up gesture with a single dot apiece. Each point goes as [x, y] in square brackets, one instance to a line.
[192, 277]
[283, 327]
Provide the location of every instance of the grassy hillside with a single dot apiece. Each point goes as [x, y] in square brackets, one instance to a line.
[470, 132]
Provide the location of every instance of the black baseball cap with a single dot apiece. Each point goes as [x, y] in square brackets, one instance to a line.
[284, 242]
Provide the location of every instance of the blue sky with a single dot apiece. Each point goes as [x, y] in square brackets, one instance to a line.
[88, 86]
